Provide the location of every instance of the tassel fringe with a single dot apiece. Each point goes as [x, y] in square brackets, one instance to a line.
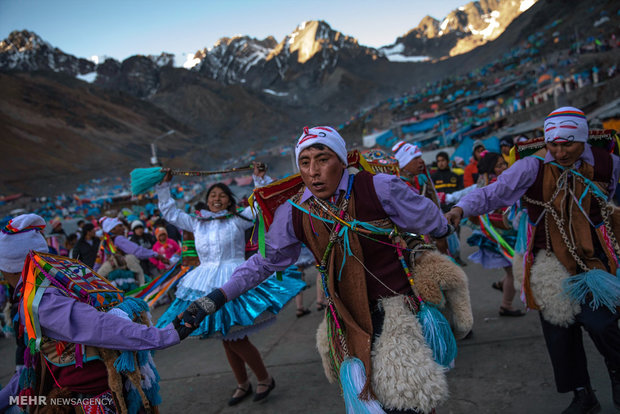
[125, 362]
[143, 179]
[603, 286]
[438, 334]
[352, 379]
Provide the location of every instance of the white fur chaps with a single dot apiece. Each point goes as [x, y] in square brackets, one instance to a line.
[547, 274]
[322, 345]
[404, 374]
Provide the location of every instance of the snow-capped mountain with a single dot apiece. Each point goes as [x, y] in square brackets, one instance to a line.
[313, 37]
[243, 59]
[317, 40]
[304, 58]
[460, 31]
[26, 51]
[230, 59]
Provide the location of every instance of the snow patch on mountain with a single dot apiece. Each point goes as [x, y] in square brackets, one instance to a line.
[492, 25]
[394, 53]
[403, 58]
[88, 77]
[443, 26]
[274, 93]
[192, 60]
[98, 59]
[526, 4]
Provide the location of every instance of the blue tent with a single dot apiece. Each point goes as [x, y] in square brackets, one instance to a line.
[458, 134]
[423, 126]
[465, 149]
[385, 139]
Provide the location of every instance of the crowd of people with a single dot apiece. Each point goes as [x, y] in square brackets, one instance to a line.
[390, 277]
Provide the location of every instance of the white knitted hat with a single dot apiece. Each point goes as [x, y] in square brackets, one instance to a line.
[21, 235]
[405, 153]
[325, 135]
[109, 223]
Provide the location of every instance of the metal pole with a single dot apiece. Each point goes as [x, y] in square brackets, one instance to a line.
[154, 160]
[153, 154]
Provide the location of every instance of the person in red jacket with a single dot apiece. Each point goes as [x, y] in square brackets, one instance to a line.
[471, 171]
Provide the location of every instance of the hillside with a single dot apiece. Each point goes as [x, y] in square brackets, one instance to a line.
[58, 131]
[81, 120]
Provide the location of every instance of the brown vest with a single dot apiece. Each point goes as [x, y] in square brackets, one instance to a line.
[586, 237]
[356, 291]
[379, 259]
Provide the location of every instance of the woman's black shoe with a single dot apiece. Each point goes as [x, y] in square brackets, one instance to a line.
[507, 312]
[262, 395]
[237, 400]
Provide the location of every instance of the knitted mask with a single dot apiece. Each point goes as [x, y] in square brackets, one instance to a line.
[566, 124]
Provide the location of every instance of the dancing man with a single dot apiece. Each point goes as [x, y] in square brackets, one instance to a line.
[565, 192]
[365, 278]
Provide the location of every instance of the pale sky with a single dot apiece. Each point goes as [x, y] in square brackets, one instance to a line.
[122, 28]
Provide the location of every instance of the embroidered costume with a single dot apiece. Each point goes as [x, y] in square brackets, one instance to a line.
[81, 338]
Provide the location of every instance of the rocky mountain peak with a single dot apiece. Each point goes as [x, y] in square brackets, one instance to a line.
[309, 38]
[21, 41]
[231, 58]
[163, 60]
[25, 50]
[428, 27]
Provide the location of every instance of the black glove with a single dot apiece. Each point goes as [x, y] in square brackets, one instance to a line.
[182, 330]
[198, 310]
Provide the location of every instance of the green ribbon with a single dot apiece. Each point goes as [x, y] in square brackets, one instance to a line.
[35, 312]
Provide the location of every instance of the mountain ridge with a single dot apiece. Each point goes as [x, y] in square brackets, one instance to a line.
[315, 36]
[462, 30]
[228, 107]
